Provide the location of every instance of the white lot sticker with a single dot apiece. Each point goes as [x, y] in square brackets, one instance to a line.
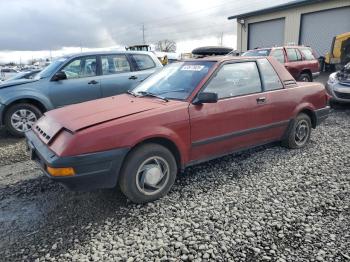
[192, 67]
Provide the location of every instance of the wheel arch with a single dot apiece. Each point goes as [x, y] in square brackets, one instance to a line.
[40, 105]
[310, 113]
[306, 71]
[163, 141]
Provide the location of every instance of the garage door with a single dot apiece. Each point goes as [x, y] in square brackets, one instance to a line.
[266, 34]
[318, 29]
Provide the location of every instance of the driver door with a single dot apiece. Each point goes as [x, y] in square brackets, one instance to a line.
[82, 83]
[237, 120]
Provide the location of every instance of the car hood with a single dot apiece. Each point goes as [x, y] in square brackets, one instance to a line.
[81, 116]
[7, 84]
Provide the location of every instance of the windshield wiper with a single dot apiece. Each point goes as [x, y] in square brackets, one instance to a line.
[131, 93]
[144, 93]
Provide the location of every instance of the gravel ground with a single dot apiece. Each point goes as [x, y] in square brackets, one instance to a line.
[267, 204]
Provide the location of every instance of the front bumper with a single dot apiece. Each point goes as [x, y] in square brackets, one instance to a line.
[337, 93]
[93, 170]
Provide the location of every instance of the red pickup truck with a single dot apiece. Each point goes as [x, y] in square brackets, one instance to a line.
[189, 112]
[300, 61]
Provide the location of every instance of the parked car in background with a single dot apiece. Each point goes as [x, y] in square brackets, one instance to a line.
[23, 75]
[338, 85]
[70, 80]
[210, 51]
[188, 113]
[300, 61]
[6, 73]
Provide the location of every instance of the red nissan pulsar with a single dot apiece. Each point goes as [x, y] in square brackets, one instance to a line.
[189, 112]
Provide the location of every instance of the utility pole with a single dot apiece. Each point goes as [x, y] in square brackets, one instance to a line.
[81, 47]
[221, 38]
[143, 33]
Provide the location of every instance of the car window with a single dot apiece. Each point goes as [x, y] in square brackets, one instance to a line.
[279, 55]
[293, 54]
[235, 80]
[299, 58]
[269, 76]
[143, 62]
[114, 64]
[80, 67]
[308, 55]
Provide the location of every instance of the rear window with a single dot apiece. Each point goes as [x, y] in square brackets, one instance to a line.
[257, 52]
[270, 78]
[307, 53]
[143, 62]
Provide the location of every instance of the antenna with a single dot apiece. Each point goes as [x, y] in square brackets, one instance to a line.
[143, 33]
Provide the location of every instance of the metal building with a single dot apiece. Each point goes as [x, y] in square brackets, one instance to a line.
[305, 22]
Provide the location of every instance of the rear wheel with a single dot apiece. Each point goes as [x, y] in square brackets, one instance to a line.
[19, 118]
[148, 173]
[299, 133]
[305, 77]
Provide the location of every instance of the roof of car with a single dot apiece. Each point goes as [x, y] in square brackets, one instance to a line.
[277, 47]
[225, 58]
[106, 53]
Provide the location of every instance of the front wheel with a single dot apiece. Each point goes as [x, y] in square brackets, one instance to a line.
[148, 173]
[299, 133]
[19, 118]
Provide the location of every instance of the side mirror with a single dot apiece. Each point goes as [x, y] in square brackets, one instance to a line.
[60, 75]
[205, 97]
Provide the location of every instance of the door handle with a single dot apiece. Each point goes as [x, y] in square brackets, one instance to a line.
[261, 100]
[133, 77]
[93, 82]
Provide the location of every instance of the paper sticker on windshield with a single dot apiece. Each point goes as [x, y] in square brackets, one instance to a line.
[192, 67]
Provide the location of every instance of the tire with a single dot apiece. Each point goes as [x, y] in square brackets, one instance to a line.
[294, 140]
[32, 114]
[147, 185]
[304, 77]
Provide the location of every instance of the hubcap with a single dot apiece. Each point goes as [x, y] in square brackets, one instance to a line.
[302, 132]
[22, 120]
[152, 175]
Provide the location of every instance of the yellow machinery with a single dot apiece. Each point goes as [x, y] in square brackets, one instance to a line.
[339, 54]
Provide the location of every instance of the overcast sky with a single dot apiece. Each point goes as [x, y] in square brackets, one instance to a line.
[30, 28]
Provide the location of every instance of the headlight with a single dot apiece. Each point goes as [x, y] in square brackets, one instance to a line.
[332, 79]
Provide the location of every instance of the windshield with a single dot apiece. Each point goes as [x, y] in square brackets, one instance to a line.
[17, 76]
[176, 80]
[257, 52]
[51, 68]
